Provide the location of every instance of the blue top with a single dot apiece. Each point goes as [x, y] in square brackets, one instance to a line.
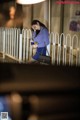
[42, 38]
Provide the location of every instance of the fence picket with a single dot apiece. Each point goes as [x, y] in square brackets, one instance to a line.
[17, 46]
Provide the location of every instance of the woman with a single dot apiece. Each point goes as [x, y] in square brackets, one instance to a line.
[40, 35]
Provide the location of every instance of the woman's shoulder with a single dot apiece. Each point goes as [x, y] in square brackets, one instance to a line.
[44, 29]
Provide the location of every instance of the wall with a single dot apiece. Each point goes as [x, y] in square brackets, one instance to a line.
[27, 11]
[69, 12]
[38, 11]
[56, 15]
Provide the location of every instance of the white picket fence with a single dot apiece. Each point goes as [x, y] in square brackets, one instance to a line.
[16, 45]
[65, 50]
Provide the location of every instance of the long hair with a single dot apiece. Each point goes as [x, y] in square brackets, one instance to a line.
[34, 22]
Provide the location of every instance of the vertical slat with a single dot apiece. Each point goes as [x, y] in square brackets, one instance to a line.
[58, 47]
[30, 50]
[3, 44]
[61, 46]
[17, 49]
[24, 44]
[27, 46]
[70, 52]
[10, 41]
[20, 48]
[14, 42]
[63, 52]
[53, 48]
[6, 40]
[78, 49]
[74, 38]
[68, 36]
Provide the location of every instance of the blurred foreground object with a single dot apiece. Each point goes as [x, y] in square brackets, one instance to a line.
[39, 92]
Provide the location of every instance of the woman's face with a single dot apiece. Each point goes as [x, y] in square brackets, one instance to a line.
[36, 27]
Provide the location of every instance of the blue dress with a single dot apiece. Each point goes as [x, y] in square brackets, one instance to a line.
[43, 40]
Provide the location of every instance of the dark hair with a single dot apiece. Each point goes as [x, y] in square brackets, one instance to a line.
[34, 22]
[40, 23]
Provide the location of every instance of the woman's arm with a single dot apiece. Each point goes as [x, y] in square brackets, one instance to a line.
[42, 36]
[46, 36]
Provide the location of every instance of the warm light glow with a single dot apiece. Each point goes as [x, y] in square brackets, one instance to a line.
[24, 2]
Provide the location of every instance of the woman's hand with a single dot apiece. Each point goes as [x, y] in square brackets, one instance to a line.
[34, 28]
[35, 46]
